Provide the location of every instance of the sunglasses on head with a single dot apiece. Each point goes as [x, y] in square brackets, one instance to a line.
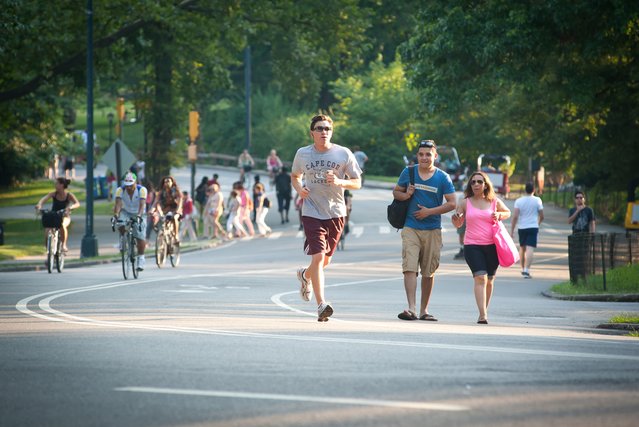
[476, 181]
[323, 128]
[427, 144]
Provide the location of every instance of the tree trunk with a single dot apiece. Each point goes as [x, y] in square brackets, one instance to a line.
[162, 115]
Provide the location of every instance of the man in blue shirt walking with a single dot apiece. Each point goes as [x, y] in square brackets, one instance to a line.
[422, 233]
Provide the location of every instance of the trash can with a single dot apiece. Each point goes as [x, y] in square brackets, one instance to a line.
[104, 190]
[580, 256]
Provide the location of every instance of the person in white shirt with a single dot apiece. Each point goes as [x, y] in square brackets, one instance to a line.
[529, 213]
[130, 201]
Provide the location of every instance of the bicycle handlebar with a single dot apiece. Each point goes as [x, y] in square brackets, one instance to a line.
[137, 220]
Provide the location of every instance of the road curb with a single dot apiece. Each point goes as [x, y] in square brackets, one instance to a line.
[630, 327]
[593, 297]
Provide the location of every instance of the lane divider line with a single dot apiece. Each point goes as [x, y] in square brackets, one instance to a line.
[428, 406]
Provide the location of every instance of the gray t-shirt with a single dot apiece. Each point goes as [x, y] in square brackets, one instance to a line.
[325, 201]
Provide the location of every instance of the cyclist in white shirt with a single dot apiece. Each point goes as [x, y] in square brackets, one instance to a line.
[130, 202]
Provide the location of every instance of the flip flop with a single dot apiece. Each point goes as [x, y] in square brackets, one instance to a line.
[407, 315]
[428, 317]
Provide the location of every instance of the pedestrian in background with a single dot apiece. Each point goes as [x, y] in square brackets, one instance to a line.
[201, 194]
[213, 213]
[262, 205]
[245, 209]
[188, 210]
[234, 227]
[323, 166]
[480, 209]
[246, 164]
[422, 233]
[528, 214]
[283, 189]
[581, 217]
[273, 166]
[361, 158]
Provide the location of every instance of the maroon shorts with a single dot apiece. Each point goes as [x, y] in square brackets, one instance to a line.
[322, 235]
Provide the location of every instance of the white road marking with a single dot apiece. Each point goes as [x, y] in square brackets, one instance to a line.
[199, 287]
[185, 291]
[275, 235]
[45, 305]
[549, 229]
[297, 398]
[384, 229]
[358, 231]
[300, 234]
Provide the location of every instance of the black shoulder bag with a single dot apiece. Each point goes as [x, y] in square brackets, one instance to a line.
[396, 212]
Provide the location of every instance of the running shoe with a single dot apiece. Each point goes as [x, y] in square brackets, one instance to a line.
[526, 275]
[141, 263]
[306, 287]
[324, 311]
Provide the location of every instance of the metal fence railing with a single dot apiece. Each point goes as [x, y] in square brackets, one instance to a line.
[596, 253]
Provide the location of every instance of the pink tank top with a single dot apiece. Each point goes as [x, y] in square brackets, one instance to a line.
[479, 230]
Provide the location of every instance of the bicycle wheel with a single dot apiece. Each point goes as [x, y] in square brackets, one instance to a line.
[175, 253]
[59, 257]
[133, 256]
[160, 249]
[50, 246]
[124, 253]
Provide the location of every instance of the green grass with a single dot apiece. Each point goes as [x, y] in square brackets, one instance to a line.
[22, 237]
[625, 318]
[25, 237]
[392, 179]
[621, 280]
[29, 194]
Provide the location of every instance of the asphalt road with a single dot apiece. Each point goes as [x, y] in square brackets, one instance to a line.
[225, 340]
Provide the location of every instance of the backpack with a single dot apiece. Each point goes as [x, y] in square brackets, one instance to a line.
[396, 212]
[267, 202]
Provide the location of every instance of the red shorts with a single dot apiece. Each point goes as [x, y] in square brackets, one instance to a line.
[322, 235]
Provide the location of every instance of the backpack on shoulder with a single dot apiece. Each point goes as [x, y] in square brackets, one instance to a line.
[397, 211]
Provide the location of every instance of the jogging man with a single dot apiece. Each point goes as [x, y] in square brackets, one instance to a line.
[327, 170]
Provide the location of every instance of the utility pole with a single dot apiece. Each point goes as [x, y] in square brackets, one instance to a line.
[89, 246]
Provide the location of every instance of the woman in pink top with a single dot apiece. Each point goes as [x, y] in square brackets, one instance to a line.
[480, 208]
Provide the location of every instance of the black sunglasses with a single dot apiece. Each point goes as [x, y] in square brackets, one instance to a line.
[476, 181]
[323, 128]
[427, 144]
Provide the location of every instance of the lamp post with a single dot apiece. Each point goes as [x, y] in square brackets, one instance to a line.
[89, 246]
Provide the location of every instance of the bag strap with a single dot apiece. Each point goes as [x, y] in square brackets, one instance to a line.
[412, 175]
[493, 207]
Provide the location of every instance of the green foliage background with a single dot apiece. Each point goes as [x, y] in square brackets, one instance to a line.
[552, 82]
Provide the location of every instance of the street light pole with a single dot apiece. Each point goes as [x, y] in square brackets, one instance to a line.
[89, 247]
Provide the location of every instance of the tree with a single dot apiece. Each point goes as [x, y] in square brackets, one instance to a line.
[174, 55]
[557, 79]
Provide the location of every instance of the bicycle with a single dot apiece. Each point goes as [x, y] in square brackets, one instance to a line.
[166, 242]
[55, 253]
[128, 246]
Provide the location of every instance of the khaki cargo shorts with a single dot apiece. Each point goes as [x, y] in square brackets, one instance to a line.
[421, 250]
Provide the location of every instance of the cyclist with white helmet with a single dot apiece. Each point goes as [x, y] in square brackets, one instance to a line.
[130, 202]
